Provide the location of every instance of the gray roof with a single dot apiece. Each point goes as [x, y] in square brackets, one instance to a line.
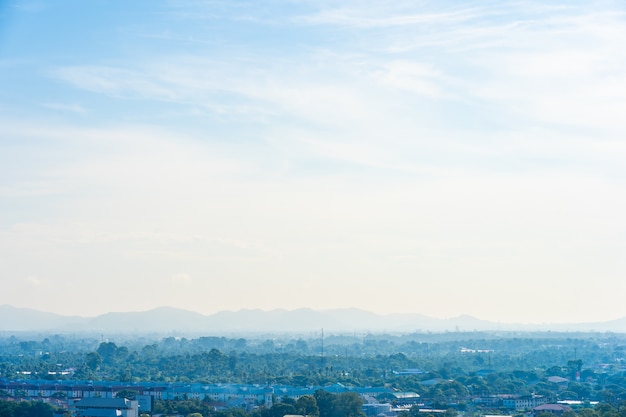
[97, 412]
[119, 403]
[552, 407]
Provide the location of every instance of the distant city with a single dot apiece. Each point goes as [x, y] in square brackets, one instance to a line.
[322, 374]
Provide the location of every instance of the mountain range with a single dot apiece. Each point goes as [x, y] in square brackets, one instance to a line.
[169, 320]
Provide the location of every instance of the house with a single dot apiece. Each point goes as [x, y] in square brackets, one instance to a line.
[406, 398]
[432, 382]
[556, 409]
[562, 383]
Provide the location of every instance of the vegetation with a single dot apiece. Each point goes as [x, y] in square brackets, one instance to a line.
[322, 404]
[25, 409]
[463, 366]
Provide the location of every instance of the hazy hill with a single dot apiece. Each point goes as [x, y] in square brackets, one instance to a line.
[14, 318]
[158, 320]
[169, 320]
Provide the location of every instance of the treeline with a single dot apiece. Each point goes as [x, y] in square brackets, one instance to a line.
[324, 404]
[321, 404]
[25, 409]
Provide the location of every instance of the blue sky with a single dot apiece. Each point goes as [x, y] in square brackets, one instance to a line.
[424, 156]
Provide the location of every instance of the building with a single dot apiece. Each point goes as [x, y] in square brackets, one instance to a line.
[406, 399]
[524, 402]
[556, 409]
[220, 395]
[373, 410]
[105, 407]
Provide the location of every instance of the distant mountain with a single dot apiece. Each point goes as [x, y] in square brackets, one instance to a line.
[158, 320]
[23, 319]
[169, 320]
[274, 321]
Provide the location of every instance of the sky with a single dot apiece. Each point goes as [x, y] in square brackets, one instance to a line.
[435, 157]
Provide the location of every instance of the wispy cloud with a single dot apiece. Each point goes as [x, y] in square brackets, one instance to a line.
[370, 15]
[116, 82]
[65, 107]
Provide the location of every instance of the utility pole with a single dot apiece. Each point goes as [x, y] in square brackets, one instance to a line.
[322, 348]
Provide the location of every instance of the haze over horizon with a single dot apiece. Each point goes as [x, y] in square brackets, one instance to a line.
[434, 157]
[167, 320]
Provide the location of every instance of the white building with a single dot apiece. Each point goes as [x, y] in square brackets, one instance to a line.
[524, 402]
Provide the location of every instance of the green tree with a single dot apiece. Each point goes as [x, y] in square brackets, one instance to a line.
[127, 393]
[93, 360]
[324, 400]
[587, 412]
[108, 352]
[25, 409]
[348, 404]
[574, 367]
[281, 410]
[307, 406]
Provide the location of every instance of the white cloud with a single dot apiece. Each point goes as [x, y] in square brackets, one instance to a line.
[181, 279]
[34, 282]
[418, 78]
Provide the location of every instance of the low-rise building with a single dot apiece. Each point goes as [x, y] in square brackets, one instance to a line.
[524, 402]
[556, 409]
[105, 407]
